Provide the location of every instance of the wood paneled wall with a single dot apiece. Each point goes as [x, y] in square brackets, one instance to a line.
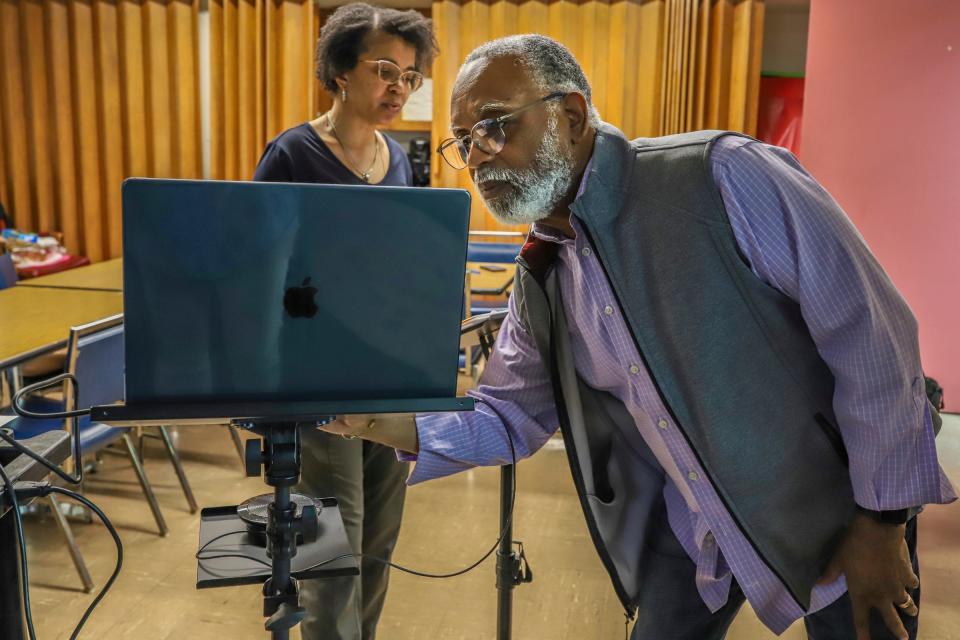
[262, 77]
[93, 91]
[711, 77]
[655, 66]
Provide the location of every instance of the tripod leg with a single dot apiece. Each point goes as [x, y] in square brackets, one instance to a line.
[281, 599]
[505, 560]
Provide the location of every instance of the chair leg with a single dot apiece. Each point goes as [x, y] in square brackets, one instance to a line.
[178, 467]
[238, 443]
[145, 484]
[16, 380]
[72, 547]
[10, 383]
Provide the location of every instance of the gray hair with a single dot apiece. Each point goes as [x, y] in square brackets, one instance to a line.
[551, 65]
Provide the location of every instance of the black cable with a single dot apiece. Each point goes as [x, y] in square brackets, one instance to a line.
[18, 525]
[116, 538]
[39, 489]
[214, 539]
[43, 384]
[238, 555]
[333, 559]
[6, 436]
[503, 532]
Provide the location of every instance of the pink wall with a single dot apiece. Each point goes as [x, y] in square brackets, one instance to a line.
[881, 132]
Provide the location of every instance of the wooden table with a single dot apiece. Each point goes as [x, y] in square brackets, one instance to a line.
[108, 276]
[102, 276]
[37, 320]
[484, 282]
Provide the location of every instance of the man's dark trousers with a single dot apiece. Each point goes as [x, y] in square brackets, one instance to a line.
[671, 608]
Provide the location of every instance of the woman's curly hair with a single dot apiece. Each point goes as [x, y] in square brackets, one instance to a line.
[342, 38]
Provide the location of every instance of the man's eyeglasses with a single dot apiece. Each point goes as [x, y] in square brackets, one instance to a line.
[487, 135]
[393, 74]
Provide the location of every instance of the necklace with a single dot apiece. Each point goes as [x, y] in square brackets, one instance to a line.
[364, 175]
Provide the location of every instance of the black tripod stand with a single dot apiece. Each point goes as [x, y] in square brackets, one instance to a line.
[512, 567]
[280, 459]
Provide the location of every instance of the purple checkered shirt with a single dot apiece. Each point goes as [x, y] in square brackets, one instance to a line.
[799, 241]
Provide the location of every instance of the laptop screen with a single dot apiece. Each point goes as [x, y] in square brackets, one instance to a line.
[266, 292]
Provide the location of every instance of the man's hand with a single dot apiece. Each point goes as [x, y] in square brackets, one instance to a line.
[876, 562]
[397, 430]
[350, 426]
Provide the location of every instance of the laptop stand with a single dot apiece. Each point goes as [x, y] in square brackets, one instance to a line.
[323, 532]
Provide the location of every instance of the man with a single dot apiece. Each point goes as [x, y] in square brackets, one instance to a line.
[737, 381]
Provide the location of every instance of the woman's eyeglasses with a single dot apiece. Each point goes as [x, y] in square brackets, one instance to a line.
[487, 135]
[393, 74]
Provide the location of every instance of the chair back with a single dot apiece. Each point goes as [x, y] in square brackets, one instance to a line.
[481, 330]
[503, 252]
[8, 273]
[95, 357]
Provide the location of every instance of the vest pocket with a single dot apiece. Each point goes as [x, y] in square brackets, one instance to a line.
[833, 436]
[602, 489]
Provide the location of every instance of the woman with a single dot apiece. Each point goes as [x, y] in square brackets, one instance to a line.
[370, 59]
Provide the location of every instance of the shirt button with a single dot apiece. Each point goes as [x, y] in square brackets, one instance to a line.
[608, 310]
[634, 369]
[663, 424]
[585, 251]
[693, 475]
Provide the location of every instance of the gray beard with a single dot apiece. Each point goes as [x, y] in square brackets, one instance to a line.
[536, 190]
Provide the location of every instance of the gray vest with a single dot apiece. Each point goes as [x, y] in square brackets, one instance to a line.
[731, 357]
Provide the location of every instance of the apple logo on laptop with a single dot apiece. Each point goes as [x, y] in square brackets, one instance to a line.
[298, 301]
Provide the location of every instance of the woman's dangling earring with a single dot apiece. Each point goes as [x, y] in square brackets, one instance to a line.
[343, 94]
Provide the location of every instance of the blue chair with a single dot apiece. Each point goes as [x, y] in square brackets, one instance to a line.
[494, 253]
[8, 273]
[8, 277]
[479, 301]
[95, 358]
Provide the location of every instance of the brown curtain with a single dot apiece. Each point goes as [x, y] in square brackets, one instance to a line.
[655, 66]
[712, 65]
[91, 92]
[262, 77]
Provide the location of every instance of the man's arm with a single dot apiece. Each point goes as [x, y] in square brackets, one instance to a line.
[515, 415]
[798, 240]
[397, 430]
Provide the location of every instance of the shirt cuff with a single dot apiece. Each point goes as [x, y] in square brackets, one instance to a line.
[406, 456]
[430, 461]
[911, 475]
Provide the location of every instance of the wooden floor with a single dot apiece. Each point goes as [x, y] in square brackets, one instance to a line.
[448, 524]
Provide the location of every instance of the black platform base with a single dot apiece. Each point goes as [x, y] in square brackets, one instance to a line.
[229, 571]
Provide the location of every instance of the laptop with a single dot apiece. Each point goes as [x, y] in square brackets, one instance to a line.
[273, 301]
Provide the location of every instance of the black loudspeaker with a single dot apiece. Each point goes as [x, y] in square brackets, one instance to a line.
[254, 513]
[419, 155]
